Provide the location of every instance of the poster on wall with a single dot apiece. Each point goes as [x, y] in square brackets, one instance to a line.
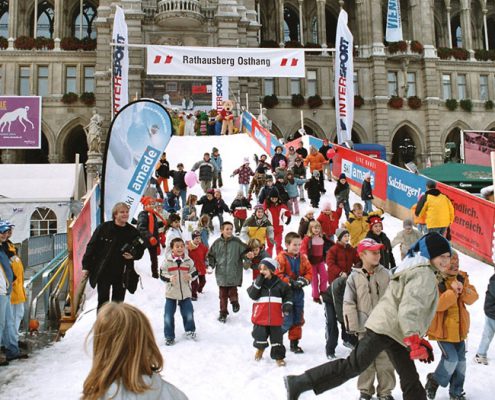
[477, 147]
[20, 122]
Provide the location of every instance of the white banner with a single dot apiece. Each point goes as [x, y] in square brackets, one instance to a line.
[219, 92]
[120, 73]
[344, 79]
[393, 31]
[225, 61]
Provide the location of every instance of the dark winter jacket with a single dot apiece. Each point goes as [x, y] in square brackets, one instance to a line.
[342, 192]
[220, 207]
[262, 167]
[324, 150]
[245, 173]
[299, 171]
[163, 171]
[302, 152]
[143, 225]
[340, 258]
[276, 160]
[282, 193]
[103, 257]
[304, 225]
[270, 297]
[178, 179]
[335, 295]
[226, 257]
[171, 203]
[239, 207]
[264, 194]
[208, 206]
[490, 299]
[313, 188]
[366, 192]
[387, 257]
[206, 170]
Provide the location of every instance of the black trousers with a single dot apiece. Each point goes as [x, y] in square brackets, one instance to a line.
[154, 260]
[104, 286]
[261, 335]
[334, 373]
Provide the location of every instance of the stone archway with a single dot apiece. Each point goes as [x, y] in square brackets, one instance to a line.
[36, 156]
[406, 146]
[75, 142]
[452, 146]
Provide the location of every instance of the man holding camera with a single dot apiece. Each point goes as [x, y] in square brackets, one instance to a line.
[111, 251]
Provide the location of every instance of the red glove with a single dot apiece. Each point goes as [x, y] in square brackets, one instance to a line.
[419, 349]
[153, 241]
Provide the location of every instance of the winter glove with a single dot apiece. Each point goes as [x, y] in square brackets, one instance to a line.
[259, 281]
[288, 220]
[287, 308]
[294, 284]
[302, 281]
[153, 241]
[419, 349]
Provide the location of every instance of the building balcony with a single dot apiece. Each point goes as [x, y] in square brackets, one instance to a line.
[179, 14]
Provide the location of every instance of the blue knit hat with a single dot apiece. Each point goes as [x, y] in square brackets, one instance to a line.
[430, 246]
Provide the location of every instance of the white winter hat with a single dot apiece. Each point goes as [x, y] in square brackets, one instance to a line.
[367, 175]
[246, 160]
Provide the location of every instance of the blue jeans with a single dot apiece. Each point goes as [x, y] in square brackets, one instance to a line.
[487, 336]
[452, 367]
[441, 231]
[183, 195]
[7, 330]
[347, 208]
[368, 206]
[244, 187]
[187, 312]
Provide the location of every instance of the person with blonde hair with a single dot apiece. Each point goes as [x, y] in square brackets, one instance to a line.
[126, 358]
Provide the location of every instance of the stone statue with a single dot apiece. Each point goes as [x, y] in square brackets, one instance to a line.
[93, 132]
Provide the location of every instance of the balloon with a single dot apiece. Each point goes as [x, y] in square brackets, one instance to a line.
[331, 153]
[191, 179]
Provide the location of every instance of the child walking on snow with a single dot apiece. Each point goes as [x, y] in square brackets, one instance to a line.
[406, 238]
[312, 246]
[275, 211]
[198, 253]
[245, 173]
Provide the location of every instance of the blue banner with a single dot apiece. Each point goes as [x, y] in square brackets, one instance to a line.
[404, 187]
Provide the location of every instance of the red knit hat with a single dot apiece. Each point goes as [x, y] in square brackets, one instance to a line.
[375, 219]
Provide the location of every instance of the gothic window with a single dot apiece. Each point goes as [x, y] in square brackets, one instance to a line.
[4, 18]
[314, 30]
[291, 25]
[46, 16]
[455, 26]
[43, 222]
[88, 18]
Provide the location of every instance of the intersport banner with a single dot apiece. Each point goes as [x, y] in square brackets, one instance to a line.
[393, 32]
[344, 79]
[225, 61]
[136, 139]
[120, 71]
[219, 92]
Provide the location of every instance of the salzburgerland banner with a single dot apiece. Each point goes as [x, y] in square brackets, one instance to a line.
[219, 92]
[393, 32]
[344, 79]
[225, 61]
[20, 122]
[477, 147]
[403, 187]
[120, 71]
[137, 137]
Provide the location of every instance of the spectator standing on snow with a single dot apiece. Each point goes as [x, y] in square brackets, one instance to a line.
[148, 226]
[207, 171]
[258, 181]
[367, 193]
[489, 328]
[437, 207]
[299, 171]
[245, 173]
[342, 191]
[406, 238]
[178, 180]
[277, 157]
[216, 159]
[316, 162]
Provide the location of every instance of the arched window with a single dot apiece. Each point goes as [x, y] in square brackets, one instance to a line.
[4, 18]
[88, 18]
[43, 222]
[314, 30]
[291, 25]
[455, 26]
[46, 17]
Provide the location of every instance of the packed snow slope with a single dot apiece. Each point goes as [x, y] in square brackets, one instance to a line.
[220, 363]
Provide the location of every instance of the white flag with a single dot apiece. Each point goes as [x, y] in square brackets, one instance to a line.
[393, 31]
[120, 72]
[220, 92]
[344, 79]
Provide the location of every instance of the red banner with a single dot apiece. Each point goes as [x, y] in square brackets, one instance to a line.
[199, 89]
[472, 228]
[81, 233]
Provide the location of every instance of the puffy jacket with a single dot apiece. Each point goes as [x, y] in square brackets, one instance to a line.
[386, 256]
[18, 294]
[489, 306]
[6, 273]
[199, 255]
[340, 259]
[342, 192]
[406, 240]
[314, 253]
[292, 187]
[362, 293]
[206, 170]
[287, 273]
[254, 228]
[366, 191]
[217, 162]
[264, 192]
[275, 213]
[269, 299]
[451, 322]
[315, 161]
[299, 171]
[410, 302]
[303, 226]
[178, 179]
[329, 224]
[335, 295]
[179, 268]
[159, 390]
[437, 207]
[239, 207]
[220, 206]
[359, 227]
[418, 220]
[162, 169]
[208, 206]
[313, 188]
[226, 256]
[276, 161]
[143, 226]
[245, 173]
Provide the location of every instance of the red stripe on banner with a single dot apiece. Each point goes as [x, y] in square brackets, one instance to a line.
[284, 62]
[157, 60]
[294, 62]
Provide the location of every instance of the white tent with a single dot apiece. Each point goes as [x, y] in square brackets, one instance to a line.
[27, 187]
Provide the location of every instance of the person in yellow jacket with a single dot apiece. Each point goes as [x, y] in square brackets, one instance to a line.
[18, 295]
[357, 223]
[450, 328]
[420, 222]
[437, 207]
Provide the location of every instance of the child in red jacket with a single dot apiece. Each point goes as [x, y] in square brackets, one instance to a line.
[329, 220]
[312, 246]
[275, 211]
[272, 300]
[198, 252]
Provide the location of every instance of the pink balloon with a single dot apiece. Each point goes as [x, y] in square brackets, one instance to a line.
[331, 153]
[191, 179]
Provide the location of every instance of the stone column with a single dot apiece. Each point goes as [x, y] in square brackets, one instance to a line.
[281, 40]
[13, 15]
[421, 10]
[467, 36]
[301, 25]
[485, 38]
[322, 23]
[374, 10]
[449, 29]
[57, 25]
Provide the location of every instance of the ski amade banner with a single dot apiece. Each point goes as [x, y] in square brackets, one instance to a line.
[137, 137]
[219, 92]
[344, 79]
[393, 32]
[120, 72]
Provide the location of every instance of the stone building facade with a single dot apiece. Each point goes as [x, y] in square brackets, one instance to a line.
[438, 25]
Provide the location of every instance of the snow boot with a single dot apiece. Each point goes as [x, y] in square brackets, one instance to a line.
[222, 317]
[462, 396]
[387, 397]
[431, 386]
[235, 306]
[169, 342]
[481, 359]
[365, 396]
[281, 362]
[296, 384]
[294, 347]
[259, 354]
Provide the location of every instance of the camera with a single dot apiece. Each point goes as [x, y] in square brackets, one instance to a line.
[134, 247]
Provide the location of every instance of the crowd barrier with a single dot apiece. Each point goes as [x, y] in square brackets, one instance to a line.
[396, 190]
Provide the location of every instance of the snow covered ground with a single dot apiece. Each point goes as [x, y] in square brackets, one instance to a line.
[220, 363]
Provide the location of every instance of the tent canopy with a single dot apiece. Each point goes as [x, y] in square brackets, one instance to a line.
[464, 176]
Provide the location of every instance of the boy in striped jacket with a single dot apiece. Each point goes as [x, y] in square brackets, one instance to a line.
[272, 300]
